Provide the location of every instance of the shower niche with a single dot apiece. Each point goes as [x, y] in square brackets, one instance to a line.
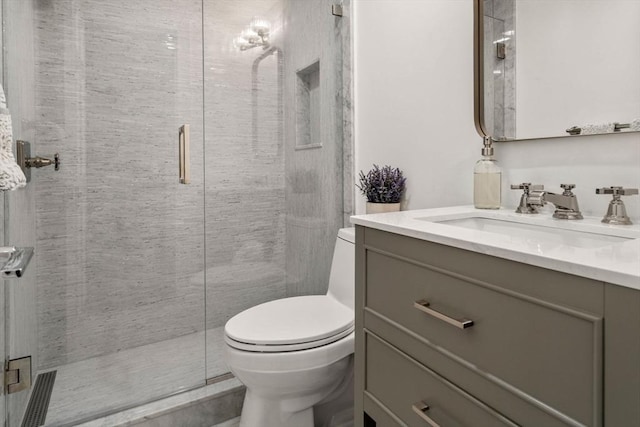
[308, 116]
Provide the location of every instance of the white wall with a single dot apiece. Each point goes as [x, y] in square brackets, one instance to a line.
[414, 96]
[414, 109]
[587, 161]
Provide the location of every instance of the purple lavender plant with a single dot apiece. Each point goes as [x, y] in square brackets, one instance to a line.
[382, 185]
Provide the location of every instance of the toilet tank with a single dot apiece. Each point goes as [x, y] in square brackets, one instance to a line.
[342, 278]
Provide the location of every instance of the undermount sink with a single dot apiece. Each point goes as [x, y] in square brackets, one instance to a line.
[541, 234]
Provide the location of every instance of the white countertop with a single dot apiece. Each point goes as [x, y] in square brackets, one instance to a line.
[617, 263]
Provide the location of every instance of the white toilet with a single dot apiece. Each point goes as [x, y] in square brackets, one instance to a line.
[295, 354]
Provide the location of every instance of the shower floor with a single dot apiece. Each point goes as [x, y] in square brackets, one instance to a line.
[113, 382]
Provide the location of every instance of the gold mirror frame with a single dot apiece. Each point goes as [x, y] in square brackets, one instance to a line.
[478, 67]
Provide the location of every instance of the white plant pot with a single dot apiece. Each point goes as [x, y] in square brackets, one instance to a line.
[382, 207]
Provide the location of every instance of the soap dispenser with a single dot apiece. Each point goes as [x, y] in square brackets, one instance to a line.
[487, 177]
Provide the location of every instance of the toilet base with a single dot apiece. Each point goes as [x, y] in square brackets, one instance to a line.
[300, 411]
[339, 404]
[285, 389]
[257, 411]
[290, 398]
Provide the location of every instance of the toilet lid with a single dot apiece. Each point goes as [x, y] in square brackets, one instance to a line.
[297, 321]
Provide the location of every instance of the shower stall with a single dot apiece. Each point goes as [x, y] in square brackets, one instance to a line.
[137, 268]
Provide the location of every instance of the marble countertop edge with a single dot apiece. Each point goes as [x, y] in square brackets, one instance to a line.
[615, 263]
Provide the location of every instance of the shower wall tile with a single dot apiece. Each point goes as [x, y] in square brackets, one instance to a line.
[314, 176]
[20, 294]
[245, 196]
[2, 217]
[348, 187]
[2, 292]
[118, 237]
[488, 7]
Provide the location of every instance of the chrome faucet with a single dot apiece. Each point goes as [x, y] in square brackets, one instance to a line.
[534, 196]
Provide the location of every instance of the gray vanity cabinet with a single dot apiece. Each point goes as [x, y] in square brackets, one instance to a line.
[484, 341]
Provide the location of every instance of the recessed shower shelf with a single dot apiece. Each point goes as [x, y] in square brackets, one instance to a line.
[14, 261]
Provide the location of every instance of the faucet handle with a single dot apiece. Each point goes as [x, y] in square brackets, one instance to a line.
[617, 191]
[616, 212]
[529, 203]
[567, 188]
[527, 186]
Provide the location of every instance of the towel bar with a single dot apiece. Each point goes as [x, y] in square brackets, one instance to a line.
[576, 130]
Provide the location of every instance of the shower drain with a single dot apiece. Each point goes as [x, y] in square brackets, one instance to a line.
[39, 401]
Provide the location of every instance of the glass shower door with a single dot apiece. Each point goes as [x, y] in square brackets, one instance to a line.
[119, 238]
[274, 108]
[244, 146]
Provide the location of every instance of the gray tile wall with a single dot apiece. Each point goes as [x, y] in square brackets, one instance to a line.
[348, 183]
[314, 176]
[2, 207]
[2, 241]
[20, 294]
[2, 300]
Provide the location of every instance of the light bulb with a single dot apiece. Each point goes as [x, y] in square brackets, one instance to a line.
[260, 26]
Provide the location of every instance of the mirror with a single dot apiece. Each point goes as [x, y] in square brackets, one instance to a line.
[551, 68]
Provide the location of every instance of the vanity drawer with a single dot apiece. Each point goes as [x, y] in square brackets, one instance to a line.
[544, 352]
[408, 387]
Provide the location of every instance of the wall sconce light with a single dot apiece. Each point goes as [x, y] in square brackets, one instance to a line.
[256, 34]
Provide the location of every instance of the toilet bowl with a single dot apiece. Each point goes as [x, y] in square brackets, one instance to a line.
[294, 354]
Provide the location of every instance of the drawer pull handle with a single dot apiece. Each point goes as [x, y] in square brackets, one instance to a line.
[421, 409]
[423, 305]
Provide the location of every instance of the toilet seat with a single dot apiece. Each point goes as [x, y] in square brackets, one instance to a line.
[290, 324]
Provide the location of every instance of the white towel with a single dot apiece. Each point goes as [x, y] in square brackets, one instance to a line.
[11, 176]
[594, 129]
[634, 126]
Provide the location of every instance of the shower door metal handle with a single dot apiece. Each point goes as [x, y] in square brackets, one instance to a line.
[183, 155]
